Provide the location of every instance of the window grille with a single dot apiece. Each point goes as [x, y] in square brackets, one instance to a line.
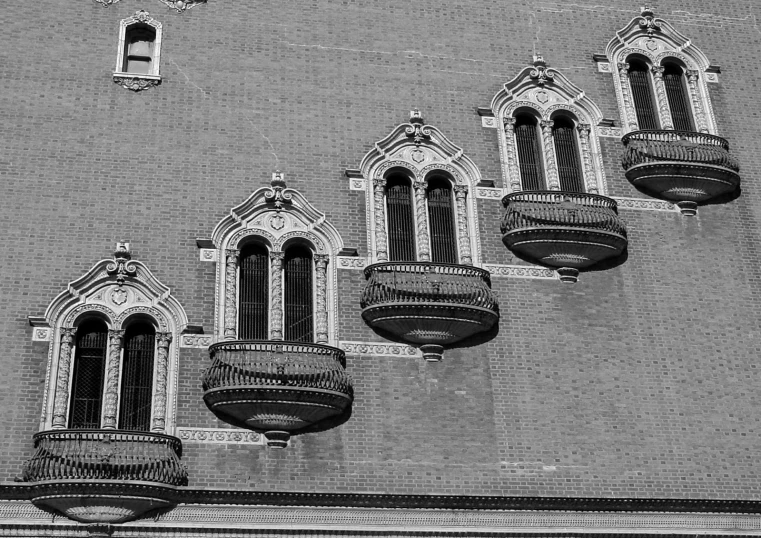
[679, 103]
[299, 325]
[567, 155]
[139, 49]
[137, 378]
[529, 153]
[89, 372]
[642, 94]
[441, 221]
[253, 305]
[401, 231]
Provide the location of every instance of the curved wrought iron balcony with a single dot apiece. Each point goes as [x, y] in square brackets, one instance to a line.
[278, 388]
[104, 476]
[681, 166]
[433, 304]
[565, 230]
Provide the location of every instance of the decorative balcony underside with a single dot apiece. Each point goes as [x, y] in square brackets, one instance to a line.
[104, 476]
[565, 230]
[278, 388]
[681, 166]
[428, 304]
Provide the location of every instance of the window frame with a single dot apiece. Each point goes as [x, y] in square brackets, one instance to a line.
[138, 81]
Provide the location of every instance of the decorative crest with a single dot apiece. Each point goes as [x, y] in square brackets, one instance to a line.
[182, 5]
[277, 194]
[417, 129]
[106, 3]
[540, 72]
[122, 267]
[647, 22]
[142, 16]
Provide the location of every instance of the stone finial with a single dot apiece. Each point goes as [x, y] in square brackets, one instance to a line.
[417, 130]
[416, 117]
[540, 73]
[122, 267]
[277, 194]
[647, 22]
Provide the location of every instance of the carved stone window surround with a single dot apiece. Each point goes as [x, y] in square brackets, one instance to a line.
[655, 41]
[118, 292]
[138, 81]
[421, 151]
[277, 216]
[546, 93]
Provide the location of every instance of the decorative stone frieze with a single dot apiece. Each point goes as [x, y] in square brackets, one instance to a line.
[379, 349]
[215, 436]
[520, 271]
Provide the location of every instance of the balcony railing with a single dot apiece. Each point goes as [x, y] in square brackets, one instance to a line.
[553, 209]
[644, 147]
[248, 363]
[410, 282]
[106, 455]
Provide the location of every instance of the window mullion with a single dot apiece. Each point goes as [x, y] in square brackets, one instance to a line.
[550, 160]
[421, 218]
[63, 381]
[113, 367]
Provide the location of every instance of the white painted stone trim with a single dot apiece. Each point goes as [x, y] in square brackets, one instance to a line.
[520, 271]
[352, 262]
[216, 436]
[383, 349]
[490, 122]
[196, 341]
[645, 204]
[208, 255]
[490, 193]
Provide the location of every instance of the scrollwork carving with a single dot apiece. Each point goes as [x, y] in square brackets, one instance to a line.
[277, 194]
[276, 304]
[136, 83]
[111, 394]
[122, 266]
[590, 180]
[182, 5]
[540, 73]
[163, 340]
[421, 221]
[417, 130]
[664, 111]
[321, 303]
[231, 294]
[553, 181]
[62, 382]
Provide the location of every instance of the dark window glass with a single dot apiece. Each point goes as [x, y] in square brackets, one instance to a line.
[299, 326]
[89, 371]
[642, 94]
[401, 231]
[679, 103]
[441, 221]
[567, 155]
[138, 53]
[137, 377]
[253, 306]
[529, 153]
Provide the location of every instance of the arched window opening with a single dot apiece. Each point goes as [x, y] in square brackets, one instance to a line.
[298, 293]
[401, 229]
[679, 103]
[89, 373]
[441, 221]
[137, 377]
[567, 154]
[253, 305]
[529, 152]
[642, 94]
[139, 49]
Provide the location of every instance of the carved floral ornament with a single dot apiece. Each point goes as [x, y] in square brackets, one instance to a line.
[546, 92]
[421, 151]
[177, 5]
[277, 216]
[116, 291]
[659, 43]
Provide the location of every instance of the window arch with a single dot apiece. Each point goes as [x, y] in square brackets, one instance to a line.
[253, 302]
[139, 52]
[89, 375]
[400, 218]
[678, 99]
[642, 93]
[528, 143]
[441, 220]
[570, 173]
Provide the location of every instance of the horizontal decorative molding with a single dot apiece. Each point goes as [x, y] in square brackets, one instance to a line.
[197, 341]
[356, 184]
[208, 254]
[520, 271]
[489, 122]
[489, 193]
[379, 349]
[645, 204]
[614, 132]
[351, 262]
[19, 518]
[219, 436]
[41, 334]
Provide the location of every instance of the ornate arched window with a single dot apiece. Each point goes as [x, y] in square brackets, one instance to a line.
[642, 94]
[400, 218]
[298, 297]
[139, 52]
[679, 102]
[548, 135]
[114, 355]
[441, 220]
[254, 285]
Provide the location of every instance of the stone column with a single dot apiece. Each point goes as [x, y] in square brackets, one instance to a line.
[421, 222]
[512, 170]
[553, 181]
[276, 295]
[321, 300]
[61, 402]
[381, 243]
[697, 105]
[160, 393]
[664, 110]
[629, 112]
[590, 179]
[231, 294]
[113, 362]
[463, 234]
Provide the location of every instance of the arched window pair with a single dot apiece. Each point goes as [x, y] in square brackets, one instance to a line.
[293, 271]
[420, 219]
[565, 157]
[92, 382]
[652, 84]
